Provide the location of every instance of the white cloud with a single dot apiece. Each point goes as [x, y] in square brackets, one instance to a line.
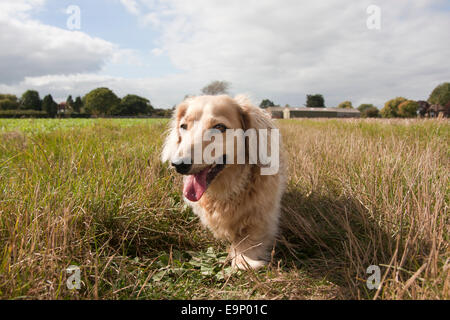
[127, 57]
[145, 18]
[275, 50]
[131, 6]
[19, 8]
[29, 48]
[157, 52]
[157, 89]
[290, 49]
[150, 19]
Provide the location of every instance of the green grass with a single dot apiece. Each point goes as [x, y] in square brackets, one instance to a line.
[49, 125]
[93, 193]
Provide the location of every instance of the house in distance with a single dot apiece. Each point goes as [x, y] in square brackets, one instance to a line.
[303, 112]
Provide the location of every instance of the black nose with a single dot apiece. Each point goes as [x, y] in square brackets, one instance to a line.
[182, 168]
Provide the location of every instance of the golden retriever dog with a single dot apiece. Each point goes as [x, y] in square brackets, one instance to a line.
[233, 198]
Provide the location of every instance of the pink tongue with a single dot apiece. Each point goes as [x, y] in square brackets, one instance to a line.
[195, 185]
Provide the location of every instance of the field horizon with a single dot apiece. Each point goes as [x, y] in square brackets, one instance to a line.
[93, 193]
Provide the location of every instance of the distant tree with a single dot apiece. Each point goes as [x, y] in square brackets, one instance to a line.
[133, 105]
[216, 88]
[266, 103]
[408, 109]
[390, 109]
[162, 113]
[69, 102]
[441, 94]
[424, 106]
[365, 106]
[370, 112]
[50, 106]
[345, 105]
[8, 102]
[315, 101]
[77, 105]
[31, 101]
[101, 101]
[11, 97]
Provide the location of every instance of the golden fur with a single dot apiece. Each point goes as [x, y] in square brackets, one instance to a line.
[240, 205]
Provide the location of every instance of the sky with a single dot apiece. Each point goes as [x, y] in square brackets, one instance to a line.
[280, 50]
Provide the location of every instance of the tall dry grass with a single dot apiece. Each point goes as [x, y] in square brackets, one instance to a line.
[370, 192]
[360, 193]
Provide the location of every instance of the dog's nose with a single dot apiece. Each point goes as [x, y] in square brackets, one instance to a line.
[182, 168]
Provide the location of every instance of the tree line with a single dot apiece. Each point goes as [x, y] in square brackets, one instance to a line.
[98, 102]
[104, 102]
[399, 107]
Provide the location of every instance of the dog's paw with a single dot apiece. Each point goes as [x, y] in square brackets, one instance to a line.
[242, 262]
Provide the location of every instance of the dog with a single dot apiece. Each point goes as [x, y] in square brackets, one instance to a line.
[236, 201]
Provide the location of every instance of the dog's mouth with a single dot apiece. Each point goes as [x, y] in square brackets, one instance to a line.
[195, 185]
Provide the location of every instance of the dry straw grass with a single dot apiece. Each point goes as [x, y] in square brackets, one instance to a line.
[371, 193]
[361, 193]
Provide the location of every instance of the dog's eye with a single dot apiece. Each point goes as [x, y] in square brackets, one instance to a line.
[220, 127]
[183, 126]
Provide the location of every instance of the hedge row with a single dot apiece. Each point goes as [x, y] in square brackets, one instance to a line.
[23, 114]
[37, 114]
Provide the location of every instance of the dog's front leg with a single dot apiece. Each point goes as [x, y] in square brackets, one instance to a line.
[247, 254]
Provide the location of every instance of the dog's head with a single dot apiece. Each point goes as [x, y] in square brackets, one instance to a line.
[198, 144]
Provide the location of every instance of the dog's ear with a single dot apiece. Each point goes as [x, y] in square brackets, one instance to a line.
[257, 119]
[252, 116]
[172, 138]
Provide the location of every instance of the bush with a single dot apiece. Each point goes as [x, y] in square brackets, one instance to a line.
[132, 105]
[162, 113]
[345, 105]
[370, 112]
[7, 104]
[10, 97]
[408, 109]
[365, 106]
[77, 115]
[23, 114]
[390, 109]
[101, 101]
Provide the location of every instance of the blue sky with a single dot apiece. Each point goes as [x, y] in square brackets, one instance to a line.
[109, 20]
[106, 19]
[165, 49]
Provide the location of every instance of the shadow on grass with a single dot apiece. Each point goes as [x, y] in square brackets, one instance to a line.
[328, 238]
[333, 239]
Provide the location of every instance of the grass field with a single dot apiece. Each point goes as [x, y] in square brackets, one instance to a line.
[93, 193]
